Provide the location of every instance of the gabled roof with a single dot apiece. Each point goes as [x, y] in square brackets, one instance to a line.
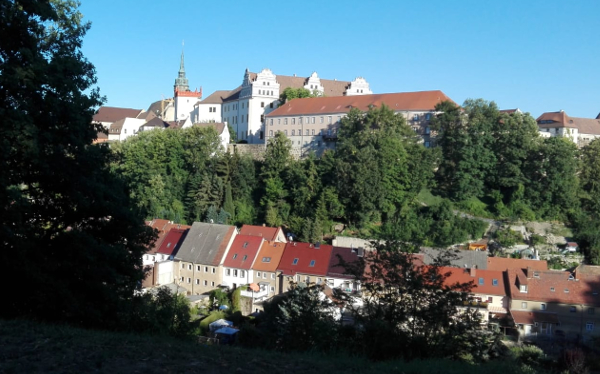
[486, 282]
[156, 123]
[206, 243]
[219, 127]
[308, 259]
[172, 241]
[503, 264]
[163, 226]
[113, 114]
[146, 116]
[464, 259]
[215, 98]
[402, 101]
[554, 286]
[156, 106]
[269, 233]
[268, 256]
[243, 251]
[348, 255]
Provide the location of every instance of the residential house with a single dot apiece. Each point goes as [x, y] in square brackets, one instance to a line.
[200, 257]
[124, 128]
[209, 109]
[162, 227]
[579, 130]
[268, 233]
[337, 274]
[107, 115]
[154, 124]
[303, 262]
[489, 294]
[266, 263]
[166, 253]
[542, 302]
[237, 265]
[312, 123]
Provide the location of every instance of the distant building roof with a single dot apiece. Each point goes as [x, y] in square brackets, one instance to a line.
[503, 264]
[402, 101]
[561, 119]
[206, 243]
[487, 282]
[464, 259]
[163, 226]
[172, 241]
[243, 251]
[216, 97]
[113, 114]
[269, 233]
[305, 258]
[219, 127]
[156, 123]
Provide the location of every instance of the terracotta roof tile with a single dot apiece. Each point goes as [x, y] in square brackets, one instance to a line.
[172, 241]
[269, 256]
[242, 252]
[269, 233]
[502, 264]
[348, 255]
[299, 257]
[414, 101]
[561, 119]
[486, 282]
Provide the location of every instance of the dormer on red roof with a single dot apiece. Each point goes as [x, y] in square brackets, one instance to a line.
[172, 241]
[268, 233]
[305, 258]
[243, 251]
[163, 226]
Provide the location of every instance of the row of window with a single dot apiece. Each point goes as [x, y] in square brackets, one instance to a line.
[572, 309]
[197, 281]
[322, 132]
[207, 269]
[305, 120]
[212, 109]
[242, 273]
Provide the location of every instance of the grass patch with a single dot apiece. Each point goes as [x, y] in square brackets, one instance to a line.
[474, 207]
[429, 199]
[27, 347]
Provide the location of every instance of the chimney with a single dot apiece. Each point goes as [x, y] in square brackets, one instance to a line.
[529, 272]
[473, 271]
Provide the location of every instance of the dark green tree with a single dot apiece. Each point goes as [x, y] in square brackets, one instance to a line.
[70, 234]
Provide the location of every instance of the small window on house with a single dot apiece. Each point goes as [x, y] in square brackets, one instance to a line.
[589, 326]
[285, 121]
[262, 104]
[536, 274]
[228, 272]
[307, 133]
[321, 120]
[266, 259]
[190, 267]
[307, 279]
[279, 121]
[551, 289]
[189, 280]
[264, 275]
[258, 274]
[543, 306]
[573, 309]
[523, 288]
[293, 132]
[242, 273]
[285, 132]
[271, 122]
[312, 132]
[312, 120]
[416, 117]
[214, 270]
[312, 263]
[197, 281]
[494, 282]
[566, 290]
[168, 245]
[271, 105]
[234, 256]
[206, 283]
[293, 121]
[272, 289]
[481, 281]
[212, 284]
[523, 305]
[272, 275]
[295, 262]
[245, 258]
[245, 244]
[428, 116]
[235, 272]
[206, 269]
[270, 132]
[181, 279]
[198, 268]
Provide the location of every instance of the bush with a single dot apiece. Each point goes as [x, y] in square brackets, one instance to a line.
[212, 317]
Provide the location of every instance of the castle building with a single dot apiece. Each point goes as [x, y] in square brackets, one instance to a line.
[184, 98]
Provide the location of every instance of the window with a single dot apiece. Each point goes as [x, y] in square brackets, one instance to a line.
[271, 105]
[189, 280]
[523, 288]
[264, 275]
[428, 116]
[242, 118]
[481, 281]
[206, 283]
[312, 120]
[197, 281]
[228, 272]
[295, 262]
[245, 258]
[319, 280]
[591, 311]
[307, 132]
[272, 289]
[270, 132]
[271, 122]
[272, 275]
[312, 132]
[262, 104]
[206, 269]
[279, 121]
[212, 284]
[523, 305]
[321, 120]
[293, 121]
[190, 267]
[214, 270]
[299, 120]
[181, 279]
[198, 268]
[551, 289]
[312, 263]
[589, 326]
[543, 306]
[285, 121]
[234, 256]
[285, 132]
[494, 282]
[293, 132]
[427, 130]
[242, 273]
[266, 259]
[307, 279]
[416, 117]
[258, 274]
[573, 309]
[235, 272]
[566, 290]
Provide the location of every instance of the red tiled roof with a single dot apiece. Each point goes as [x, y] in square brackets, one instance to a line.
[269, 256]
[561, 119]
[555, 286]
[503, 264]
[529, 318]
[348, 255]
[243, 251]
[163, 226]
[424, 100]
[172, 241]
[305, 253]
[487, 277]
[269, 233]
[113, 114]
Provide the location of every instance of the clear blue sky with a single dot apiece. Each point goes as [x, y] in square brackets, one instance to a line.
[535, 55]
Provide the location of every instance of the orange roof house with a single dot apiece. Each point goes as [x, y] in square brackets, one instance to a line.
[268, 233]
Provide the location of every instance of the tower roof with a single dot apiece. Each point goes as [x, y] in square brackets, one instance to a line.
[181, 82]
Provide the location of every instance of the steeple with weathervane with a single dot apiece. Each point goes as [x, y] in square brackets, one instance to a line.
[184, 98]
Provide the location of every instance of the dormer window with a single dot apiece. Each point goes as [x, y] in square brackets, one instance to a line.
[295, 262]
[551, 289]
[523, 288]
[312, 263]
[245, 257]
[494, 282]
[245, 244]
[266, 259]
[481, 281]
[536, 274]
[566, 290]
[235, 256]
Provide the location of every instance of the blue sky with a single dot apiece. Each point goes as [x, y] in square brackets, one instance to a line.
[535, 55]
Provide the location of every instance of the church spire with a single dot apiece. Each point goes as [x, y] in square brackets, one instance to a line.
[181, 82]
